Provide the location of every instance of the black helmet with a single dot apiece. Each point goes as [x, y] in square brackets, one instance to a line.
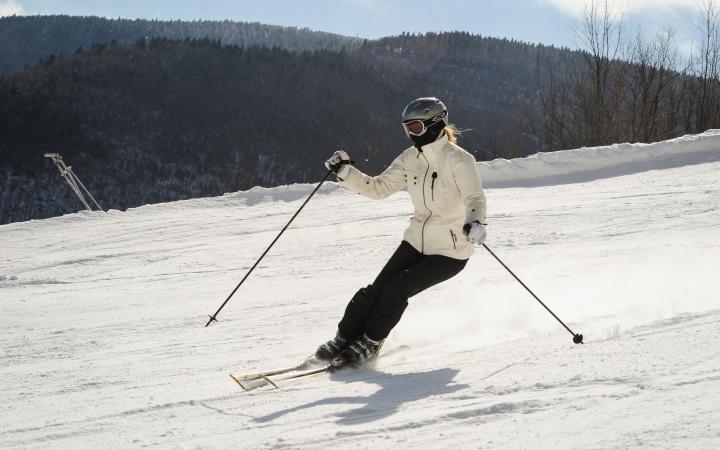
[427, 109]
[424, 119]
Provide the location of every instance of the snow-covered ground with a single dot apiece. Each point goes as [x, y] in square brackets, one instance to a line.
[104, 344]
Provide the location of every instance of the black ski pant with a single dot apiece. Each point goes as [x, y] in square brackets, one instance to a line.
[375, 309]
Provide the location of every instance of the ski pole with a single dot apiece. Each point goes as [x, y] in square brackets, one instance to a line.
[577, 338]
[213, 317]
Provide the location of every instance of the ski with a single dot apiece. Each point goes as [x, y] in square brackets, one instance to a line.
[252, 380]
[302, 373]
[265, 378]
[267, 373]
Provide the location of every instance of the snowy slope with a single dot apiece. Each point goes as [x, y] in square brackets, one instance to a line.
[103, 343]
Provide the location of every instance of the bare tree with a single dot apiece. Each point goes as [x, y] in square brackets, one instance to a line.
[707, 86]
[652, 77]
[600, 91]
[551, 96]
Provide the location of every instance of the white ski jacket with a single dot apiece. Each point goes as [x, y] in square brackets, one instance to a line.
[446, 191]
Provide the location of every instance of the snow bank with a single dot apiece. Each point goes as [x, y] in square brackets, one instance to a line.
[587, 164]
[541, 169]
[548, 169]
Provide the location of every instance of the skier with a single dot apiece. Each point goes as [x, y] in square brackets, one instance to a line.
[447, 194]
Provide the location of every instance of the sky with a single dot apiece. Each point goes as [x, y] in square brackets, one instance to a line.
[539, 21]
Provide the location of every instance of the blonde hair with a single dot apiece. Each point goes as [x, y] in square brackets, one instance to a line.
[451, 132]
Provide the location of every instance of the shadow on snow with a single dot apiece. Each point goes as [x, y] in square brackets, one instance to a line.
[395, 391]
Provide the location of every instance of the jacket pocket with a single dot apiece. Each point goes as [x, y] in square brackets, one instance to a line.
[453, 238]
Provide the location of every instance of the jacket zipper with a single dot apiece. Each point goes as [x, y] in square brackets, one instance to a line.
[432, 185]
[453, 239]
[422, 231]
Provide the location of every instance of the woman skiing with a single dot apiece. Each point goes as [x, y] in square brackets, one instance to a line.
[447, 194]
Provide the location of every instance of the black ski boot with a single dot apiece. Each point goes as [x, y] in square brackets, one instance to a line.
[331, 349]
[359, 352]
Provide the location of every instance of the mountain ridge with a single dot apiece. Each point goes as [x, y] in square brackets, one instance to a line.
[26, 40]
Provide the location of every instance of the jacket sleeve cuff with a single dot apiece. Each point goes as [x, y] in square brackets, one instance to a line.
[475, 208]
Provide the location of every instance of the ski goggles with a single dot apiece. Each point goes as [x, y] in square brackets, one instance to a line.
[418, 127]
[414, 127]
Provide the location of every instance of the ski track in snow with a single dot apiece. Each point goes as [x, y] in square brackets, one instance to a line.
[103, 343]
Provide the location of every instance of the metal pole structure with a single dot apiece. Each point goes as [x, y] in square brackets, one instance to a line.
[72, 180]
[577, 338]
[85, 189]
[213, 317]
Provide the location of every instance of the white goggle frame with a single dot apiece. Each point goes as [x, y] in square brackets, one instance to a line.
[432, 121]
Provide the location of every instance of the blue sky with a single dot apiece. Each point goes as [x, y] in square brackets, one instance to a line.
[546, 21]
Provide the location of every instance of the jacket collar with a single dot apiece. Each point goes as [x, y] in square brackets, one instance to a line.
[432, 149]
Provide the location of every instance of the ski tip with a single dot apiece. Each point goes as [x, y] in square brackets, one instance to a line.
[249, 385]
[238, 382]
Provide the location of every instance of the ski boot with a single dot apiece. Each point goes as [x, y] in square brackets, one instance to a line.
[359, 352]
[331, 349]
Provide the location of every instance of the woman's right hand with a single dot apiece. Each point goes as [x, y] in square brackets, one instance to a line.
[339, 163]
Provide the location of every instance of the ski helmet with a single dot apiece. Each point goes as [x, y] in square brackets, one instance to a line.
[427, 110]
[424, 119]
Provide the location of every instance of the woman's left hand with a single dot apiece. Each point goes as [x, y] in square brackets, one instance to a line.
[475, 232]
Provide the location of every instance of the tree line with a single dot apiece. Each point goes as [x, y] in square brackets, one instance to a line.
[24, 40]
[631, 87]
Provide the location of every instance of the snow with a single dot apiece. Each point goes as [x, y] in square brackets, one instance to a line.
[586, 164]
[104, 344]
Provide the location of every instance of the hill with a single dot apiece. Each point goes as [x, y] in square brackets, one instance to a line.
[103, 337]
